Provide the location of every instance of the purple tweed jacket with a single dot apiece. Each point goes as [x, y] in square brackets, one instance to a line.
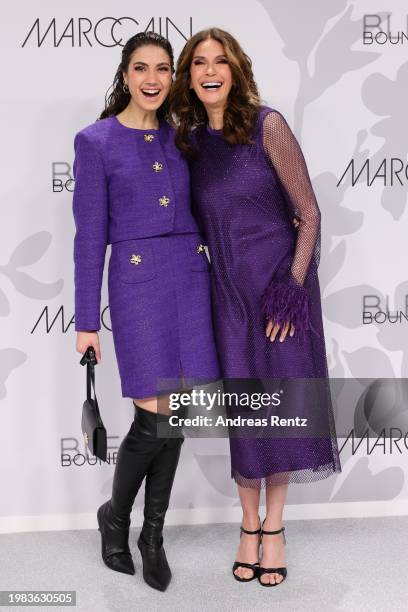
[127, 184]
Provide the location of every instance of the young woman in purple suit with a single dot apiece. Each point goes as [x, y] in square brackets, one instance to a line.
[132, 191]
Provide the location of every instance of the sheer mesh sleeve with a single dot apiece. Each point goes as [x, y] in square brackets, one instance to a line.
[283, 302]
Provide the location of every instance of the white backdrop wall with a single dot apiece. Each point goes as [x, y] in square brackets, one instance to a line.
[345, 100]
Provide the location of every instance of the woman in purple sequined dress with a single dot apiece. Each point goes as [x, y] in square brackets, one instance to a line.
[249, 183]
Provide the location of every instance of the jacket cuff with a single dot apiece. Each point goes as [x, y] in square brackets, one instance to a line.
[83, 325]
[287, 302]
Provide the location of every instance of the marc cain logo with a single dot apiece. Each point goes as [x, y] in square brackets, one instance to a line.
[388, 171]
[106, 32]
[47, 320]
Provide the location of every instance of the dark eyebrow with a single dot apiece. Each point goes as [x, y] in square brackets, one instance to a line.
[144, 64]
[202, 57]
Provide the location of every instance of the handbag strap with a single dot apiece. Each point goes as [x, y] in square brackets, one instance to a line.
[90, 360]
[90, 380]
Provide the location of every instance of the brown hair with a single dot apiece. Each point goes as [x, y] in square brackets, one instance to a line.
[243, 100]
[118, 100]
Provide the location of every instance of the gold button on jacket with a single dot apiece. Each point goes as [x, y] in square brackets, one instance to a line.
[164, 201]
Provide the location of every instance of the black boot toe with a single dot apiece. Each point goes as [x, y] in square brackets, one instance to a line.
[115, 535]
[121, 562]
[156, 570]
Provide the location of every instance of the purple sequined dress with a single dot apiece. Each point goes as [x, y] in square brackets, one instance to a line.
[245, 198]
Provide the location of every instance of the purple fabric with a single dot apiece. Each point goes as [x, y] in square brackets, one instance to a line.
[283, 302]
[161, 314]
[117, 197]
[243, 211]
[158, 277]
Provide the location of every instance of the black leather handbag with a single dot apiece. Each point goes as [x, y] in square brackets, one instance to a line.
[93, 429]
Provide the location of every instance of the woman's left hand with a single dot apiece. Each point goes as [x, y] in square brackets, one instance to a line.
[272, 330]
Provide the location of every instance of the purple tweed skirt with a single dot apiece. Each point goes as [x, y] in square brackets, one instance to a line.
[160, 309]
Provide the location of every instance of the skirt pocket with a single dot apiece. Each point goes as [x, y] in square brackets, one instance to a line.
[135, 260]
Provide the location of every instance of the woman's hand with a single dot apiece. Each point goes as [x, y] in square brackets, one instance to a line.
[85, 339]
[272, 330]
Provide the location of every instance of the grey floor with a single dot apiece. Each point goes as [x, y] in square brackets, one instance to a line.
[343, 564]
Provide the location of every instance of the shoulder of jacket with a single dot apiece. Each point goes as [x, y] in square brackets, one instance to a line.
[95, 132]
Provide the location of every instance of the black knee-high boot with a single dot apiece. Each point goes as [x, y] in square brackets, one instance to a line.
[135, 455]
[159, 482]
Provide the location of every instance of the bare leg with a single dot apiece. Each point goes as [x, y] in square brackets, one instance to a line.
[273, 551]
[158, 404]
[147, 403]
[248, 550]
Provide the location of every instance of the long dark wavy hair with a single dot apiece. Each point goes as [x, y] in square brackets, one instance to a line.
[243, 103]
[117, 100]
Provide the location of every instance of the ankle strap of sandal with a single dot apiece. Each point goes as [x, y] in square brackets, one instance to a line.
[281, 530]
[250, 532]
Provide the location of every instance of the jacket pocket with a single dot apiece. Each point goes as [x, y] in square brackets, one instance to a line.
[136, 261]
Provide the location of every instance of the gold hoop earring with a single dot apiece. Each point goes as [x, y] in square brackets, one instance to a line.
[125, 88]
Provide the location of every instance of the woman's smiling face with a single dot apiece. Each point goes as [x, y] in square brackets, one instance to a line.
[210, 74]
[149, 77]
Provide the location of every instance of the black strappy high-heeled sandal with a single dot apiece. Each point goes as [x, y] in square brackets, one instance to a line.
[282, 571]
[253, 566]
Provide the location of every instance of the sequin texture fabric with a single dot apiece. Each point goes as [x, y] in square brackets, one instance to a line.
[245, 198]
